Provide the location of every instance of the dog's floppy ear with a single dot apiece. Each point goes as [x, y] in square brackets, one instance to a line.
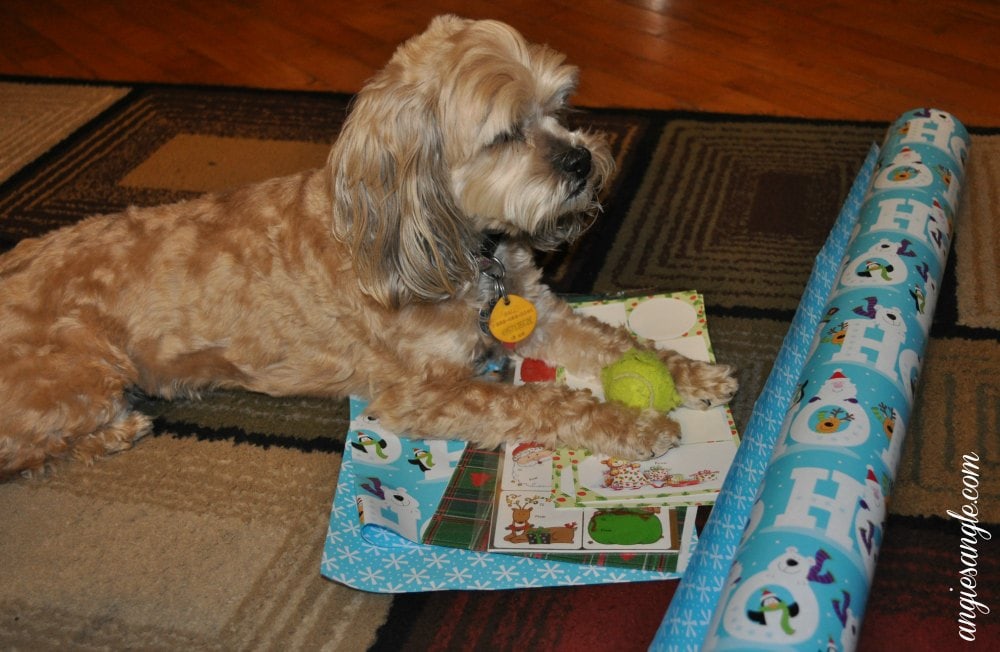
[393, 202]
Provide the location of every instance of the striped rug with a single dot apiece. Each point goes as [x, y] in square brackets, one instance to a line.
[208, 535]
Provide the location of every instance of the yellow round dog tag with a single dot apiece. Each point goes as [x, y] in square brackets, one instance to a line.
[513, 319]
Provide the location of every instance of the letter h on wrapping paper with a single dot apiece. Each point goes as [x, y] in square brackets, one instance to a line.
[841, 507]
[929, 223]
[937, 131]
[869, 342]
[908, 214]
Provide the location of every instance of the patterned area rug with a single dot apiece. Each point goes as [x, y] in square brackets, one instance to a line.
[34, 117]
[209, 533]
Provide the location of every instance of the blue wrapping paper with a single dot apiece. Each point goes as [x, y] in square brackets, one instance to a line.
[809, 485]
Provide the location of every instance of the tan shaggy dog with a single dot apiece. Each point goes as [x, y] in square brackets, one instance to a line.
[366, 277]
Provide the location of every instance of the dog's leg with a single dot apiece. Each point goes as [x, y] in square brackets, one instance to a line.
[65, 399]
[488, 414]
[702, 385]
[585, 346]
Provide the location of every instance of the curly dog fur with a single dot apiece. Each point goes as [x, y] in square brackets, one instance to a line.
[363, 277]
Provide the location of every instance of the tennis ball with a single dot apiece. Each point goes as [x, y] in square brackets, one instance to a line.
[640, 380]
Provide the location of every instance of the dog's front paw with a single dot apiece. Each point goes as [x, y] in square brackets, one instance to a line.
[703, 385]
[654, 435]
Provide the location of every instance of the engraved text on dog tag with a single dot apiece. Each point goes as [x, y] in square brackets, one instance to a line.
[513, 319]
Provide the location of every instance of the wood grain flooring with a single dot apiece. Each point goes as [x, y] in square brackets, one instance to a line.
[835, 59]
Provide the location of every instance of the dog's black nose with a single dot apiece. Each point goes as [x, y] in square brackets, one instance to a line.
[575, 161]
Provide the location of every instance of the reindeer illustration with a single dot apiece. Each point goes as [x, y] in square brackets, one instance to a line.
[521, 508]
[831, 420]
[836, 334]
[887, 417]
[523, 531]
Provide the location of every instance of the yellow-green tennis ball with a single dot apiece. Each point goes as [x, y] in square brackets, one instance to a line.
[640, 380]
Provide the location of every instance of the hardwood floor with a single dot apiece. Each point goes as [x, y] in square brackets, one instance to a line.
[836, 59]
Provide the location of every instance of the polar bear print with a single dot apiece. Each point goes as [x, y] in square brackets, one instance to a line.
[906, 170]
[394, 509]
[882, 264]
[777, 605]
[832, 417]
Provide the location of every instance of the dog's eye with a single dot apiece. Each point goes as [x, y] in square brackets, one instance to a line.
[513, 135]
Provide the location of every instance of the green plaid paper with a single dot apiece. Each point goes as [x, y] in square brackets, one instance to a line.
[463, 518]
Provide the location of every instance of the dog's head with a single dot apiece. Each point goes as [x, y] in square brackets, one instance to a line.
[458, 135]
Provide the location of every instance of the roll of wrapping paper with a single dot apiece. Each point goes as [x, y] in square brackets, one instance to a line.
[813, 523]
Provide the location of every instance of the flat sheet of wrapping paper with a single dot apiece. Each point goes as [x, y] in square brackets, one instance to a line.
[374, 559]
[836, 405]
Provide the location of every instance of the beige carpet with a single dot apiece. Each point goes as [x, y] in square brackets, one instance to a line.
[34, 118]
[196, 545]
